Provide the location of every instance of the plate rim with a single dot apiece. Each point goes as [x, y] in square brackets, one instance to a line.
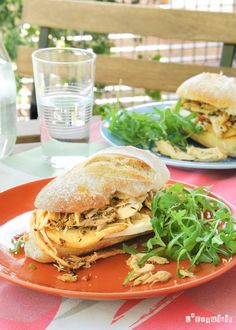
[167, 160]
[116, 295]
[128, 295]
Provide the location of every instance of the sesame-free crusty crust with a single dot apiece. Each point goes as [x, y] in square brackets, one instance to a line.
[218, 91]
[211, 88]
[90, 185]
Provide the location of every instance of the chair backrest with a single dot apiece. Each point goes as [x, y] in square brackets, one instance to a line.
[103, 17]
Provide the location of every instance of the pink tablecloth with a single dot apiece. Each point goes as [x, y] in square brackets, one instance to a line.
[209, 306]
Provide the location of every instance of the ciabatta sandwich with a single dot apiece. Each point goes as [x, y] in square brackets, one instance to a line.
[213, 98]
[104, 201]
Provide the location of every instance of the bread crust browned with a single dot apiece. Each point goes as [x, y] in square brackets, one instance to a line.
[212, 88]
[128, 170]
[218, 91]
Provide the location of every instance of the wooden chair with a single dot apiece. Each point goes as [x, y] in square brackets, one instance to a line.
[103, 17]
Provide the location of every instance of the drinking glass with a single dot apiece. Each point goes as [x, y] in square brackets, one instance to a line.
[64, 81]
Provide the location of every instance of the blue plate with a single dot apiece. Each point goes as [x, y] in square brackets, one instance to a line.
[228, 163]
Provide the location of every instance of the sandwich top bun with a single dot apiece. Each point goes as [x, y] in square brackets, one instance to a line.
[90, 185]
[211, 88]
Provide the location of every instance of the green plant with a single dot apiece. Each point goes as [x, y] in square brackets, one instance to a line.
[10, 13]
[154, 94]
[15, 35]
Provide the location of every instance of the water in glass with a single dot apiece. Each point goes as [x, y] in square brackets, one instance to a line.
[64, 119]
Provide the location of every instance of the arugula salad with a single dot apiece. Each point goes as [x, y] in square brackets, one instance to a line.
[144, 129]
[187, 224]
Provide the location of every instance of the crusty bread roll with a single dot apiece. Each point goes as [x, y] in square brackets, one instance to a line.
[126, 171]
[213, 97]
[212, 88]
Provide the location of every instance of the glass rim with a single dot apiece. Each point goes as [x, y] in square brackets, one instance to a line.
[42, 50]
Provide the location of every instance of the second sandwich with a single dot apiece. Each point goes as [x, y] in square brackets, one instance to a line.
[213, 98]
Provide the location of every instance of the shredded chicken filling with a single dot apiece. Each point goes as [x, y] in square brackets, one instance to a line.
[147, 274]
[118, 209]
[221, 120]
[121, 209]
[192, 153]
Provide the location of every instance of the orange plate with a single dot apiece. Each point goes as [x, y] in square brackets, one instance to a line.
[106, 276]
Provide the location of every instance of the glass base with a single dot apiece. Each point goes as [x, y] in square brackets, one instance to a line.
[65, 162]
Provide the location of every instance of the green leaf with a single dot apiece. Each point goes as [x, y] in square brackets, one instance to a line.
[156, 252]
[156, 57]
[32, 266]
[128, 277]
[205, 258]
[168, 200]
[190, 242]
[17, 245]
[130, 249]
[155, 241]
[215, 258]
[217, 240]
[231, 245]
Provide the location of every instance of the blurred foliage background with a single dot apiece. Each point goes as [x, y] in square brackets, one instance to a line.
[203, 53]
[15, 34]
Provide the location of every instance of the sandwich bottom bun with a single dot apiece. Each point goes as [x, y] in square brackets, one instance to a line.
[209, 139]
[40, 250]
[33, 251]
